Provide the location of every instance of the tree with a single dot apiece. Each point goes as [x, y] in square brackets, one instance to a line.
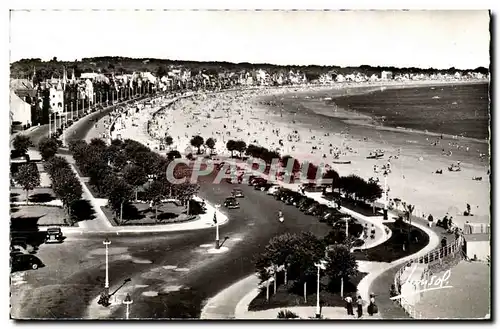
[285, 160]
[155, 192]
[56, 164]
[21, 144]
[120, 193]
[48, 147]
[197, 141]
[231, 146]
[333, 175]
[240, 146]
[28, 177]
[341, 264]
[169, 141]
[135, 176]
[174, 154]
[210, 143]
[299, 251]
[184, 192]
[67, 188]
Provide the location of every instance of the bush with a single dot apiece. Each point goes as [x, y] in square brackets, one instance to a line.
[286, 314]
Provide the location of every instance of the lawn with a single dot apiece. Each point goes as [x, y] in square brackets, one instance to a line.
[40, 194]
[23, 217]
[290, 295]
[141, 214]
[392, 249]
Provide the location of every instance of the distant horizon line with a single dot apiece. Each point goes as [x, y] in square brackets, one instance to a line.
[246, 63]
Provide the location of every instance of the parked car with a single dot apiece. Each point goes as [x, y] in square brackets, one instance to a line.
[251, 178]
[305, 203]
[263, 186]
[21, 262]
[320, 210]
[231, 203]
[293, 197]
[237, 193]
[330, 216]
[283, 194]
[257, 180]
[54, 235]
[273, 190]
[312, 208]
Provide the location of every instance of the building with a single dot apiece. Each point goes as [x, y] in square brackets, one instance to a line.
[89, 90]
[56, 94]
[477, 241]
[386, 75]
[23, 96]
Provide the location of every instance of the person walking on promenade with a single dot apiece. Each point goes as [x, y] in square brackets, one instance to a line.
[359, 302]
[372, 307]
[430, 219]
[348, 305]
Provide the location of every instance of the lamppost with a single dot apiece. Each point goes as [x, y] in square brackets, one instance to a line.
[320, 266]
[386, 194]
[104, 299]
[106, 284]
[346, 227]
[217, 245]
[127, 301]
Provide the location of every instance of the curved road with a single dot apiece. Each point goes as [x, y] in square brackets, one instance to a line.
[172, 273]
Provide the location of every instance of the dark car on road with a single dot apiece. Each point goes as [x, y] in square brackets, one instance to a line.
[305, 203]
[237, 193]
[54, 235]
[282, 194]
[330, 216]
[256, 181]
[263, 186]
[22, 262]
[312, 208]
[293, 197]
[231, 203]
[320, 210]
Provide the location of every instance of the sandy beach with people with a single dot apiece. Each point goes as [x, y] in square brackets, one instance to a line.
[246, 115]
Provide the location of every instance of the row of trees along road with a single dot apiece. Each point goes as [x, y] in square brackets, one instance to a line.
[198, 142]
[123, 169]
[299, 252]
[65, 184]
[353, 186]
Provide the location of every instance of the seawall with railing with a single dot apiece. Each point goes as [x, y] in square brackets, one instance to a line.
[428, 260]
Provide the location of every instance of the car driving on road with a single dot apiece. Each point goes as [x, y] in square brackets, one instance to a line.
[231, 203]
[237, 193]
[54, 235]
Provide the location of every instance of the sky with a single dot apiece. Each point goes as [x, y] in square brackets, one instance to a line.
[439, 39]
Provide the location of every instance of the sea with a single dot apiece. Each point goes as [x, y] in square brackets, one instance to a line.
[400, 116]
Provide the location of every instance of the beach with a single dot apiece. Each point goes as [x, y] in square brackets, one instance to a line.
[257, 116]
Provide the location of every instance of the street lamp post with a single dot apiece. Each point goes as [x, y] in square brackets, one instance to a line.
[106, 284]
[386, 194]
[320, 266]
[217, 245]
[127, 301]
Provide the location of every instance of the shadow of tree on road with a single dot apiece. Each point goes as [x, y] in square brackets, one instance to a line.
[82, 210]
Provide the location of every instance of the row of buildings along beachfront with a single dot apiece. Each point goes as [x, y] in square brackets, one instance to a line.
[33, 99]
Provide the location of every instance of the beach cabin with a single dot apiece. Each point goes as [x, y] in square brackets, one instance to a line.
[477, 244]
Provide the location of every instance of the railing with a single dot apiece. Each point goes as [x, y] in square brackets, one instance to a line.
[431, 258]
